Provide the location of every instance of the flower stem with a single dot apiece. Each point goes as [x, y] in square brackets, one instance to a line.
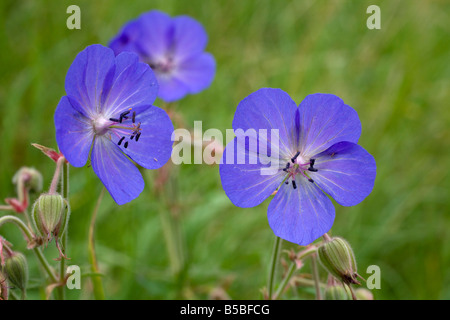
[315, 272]
[55, 179]
[273, 265]
[99, 293]
[290, 272]
[65, 193]
[29, 235]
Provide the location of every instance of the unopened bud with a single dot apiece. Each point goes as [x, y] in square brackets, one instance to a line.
[337, 257]
[3, 287]
[363, 294]
[30, 177]
[16, 270]
[49, 215]
[335, 290]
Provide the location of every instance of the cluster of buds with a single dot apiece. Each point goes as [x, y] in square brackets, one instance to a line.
[50, 214]
[14, 269]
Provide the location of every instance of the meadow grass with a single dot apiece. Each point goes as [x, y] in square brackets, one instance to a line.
[396, 78]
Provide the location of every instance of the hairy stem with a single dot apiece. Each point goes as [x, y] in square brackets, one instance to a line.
[99, 293]
[273, 265]
[315, 272]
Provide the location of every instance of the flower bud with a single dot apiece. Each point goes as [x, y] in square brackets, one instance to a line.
[16, 270]
[337, 257]
[30, 177]
[335, 290]
[49, 215]
[3, 287]
[363, 294]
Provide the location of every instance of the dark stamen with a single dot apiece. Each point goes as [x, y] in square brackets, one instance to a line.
[294, 185]
[310, 180]
[114, 120]
[287, 182]
[120, 141]
[126, 144]
[285, 169]
[123, 114]
[131, 138]
[134, 116]
[137, 136]
[311, 165]
[288, 165]
[295, 157]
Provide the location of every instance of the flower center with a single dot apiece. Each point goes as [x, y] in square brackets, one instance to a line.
[164, 66]
[298, 165]
[123, 126]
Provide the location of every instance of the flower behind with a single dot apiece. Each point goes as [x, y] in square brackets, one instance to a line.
[109, 106]
[174, 49]
[317, 153]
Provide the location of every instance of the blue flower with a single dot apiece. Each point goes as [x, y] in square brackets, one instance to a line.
[174, 49]
[317, 154]
[108, 107]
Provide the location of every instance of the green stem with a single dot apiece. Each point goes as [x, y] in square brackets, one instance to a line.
[62, 266]
[29, 235]
[273, 265]
[315, 272]
[99, 293]
[291, 270]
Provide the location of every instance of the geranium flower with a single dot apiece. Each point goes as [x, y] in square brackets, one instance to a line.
[174, 49]
[109, 106]
[317, 154]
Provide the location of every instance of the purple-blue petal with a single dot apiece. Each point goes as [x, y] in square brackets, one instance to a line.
[127, 37]
[73, 132]
[154, 147]
[197, 72]
[300, 215]
[133, 84]
[119, 175]
[325, 120]
[245, 184]
[189, 38]
[346, 172]
[156, 35]
[269, 109]
[86, 76]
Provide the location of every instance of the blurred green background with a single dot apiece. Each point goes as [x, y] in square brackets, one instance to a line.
[397, 79]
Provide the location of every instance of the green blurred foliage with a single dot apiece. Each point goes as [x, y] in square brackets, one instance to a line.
[397, 79]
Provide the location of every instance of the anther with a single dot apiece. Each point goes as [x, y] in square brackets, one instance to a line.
[126, 144]
[137, 136]
[120, 141]
[131, 138]
[134, 116]
[123, 114]
[294, 185]
[295, 156]
[287, 182]
[114, 120]
[311, 165]
[310, 180]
